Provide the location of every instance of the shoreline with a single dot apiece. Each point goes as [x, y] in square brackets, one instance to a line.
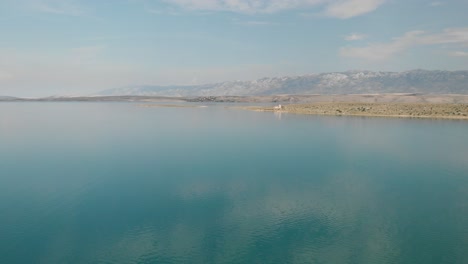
[391, 110]
[279, 99]
[171, 106]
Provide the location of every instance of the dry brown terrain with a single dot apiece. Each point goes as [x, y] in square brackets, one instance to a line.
[415, 110]
[172, 105]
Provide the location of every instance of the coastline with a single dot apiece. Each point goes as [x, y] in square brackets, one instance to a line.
[391, 110]
[279, 99]
[170, 106]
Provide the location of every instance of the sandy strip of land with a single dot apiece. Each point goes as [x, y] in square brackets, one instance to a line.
[172, 105]
[412, 110]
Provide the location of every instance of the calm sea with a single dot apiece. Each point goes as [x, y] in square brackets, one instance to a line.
[119, 183]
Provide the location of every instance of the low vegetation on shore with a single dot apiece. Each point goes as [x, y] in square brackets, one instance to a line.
[416, 110]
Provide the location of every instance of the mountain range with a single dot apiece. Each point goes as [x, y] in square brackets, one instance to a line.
[349, 82]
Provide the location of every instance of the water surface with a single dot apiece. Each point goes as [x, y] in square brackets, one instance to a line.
[118, 183]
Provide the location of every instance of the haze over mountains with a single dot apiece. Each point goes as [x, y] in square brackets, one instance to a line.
[350, 82]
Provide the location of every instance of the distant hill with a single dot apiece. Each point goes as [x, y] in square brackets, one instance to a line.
[8, 98]
[350, 82]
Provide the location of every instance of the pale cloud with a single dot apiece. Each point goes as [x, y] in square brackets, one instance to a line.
[351, 8]
[241, 6]
[355, 36]
[458, 54]
[162, 11]
[252, 23]
[382, 51]
[342, 9]
[60, 7]
[257, 23]
[437, 3]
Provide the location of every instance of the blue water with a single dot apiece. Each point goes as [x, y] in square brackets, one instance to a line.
[119, 183]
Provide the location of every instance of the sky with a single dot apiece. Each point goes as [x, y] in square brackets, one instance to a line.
[80, 47]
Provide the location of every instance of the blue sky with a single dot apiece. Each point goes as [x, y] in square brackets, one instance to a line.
[67, 47]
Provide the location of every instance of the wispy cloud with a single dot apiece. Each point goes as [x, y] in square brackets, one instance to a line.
[355, 36]
[60, 7]
[162, 11]
[436, 3]
[459, 54]
[382, 51]
[351, 8]
[242, 6]
[252, 23]
[342, 9]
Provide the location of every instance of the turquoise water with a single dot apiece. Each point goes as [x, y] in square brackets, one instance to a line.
[118, 183]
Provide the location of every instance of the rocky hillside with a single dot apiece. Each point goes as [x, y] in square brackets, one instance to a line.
[350, 82]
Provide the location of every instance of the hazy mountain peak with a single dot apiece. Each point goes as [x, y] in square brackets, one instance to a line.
[349, 82]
